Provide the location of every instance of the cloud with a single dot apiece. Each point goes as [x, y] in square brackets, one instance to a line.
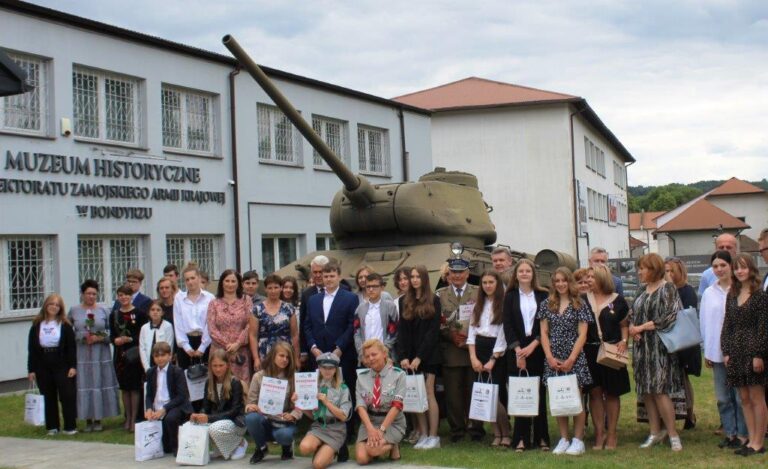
[682, 84]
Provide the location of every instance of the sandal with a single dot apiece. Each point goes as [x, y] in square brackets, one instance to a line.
[543, 446]
[496, 441]
[506, 442]
[520, 447]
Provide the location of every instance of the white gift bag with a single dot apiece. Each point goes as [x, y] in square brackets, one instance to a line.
[485, 401]
[34, 406]
[193, 445]
[196, 387]
[272, 395]
[564, 396]
[148, 440]
[523, 400]
[415, 399]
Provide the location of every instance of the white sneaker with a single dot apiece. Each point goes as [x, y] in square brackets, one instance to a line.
[240, 451]
[562, 446]
[433, 442]
[576, 448]
[53, 432]
[69, 432]
[422, 441]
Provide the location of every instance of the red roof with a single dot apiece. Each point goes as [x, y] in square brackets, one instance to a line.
[635, 243]
[648, 220]
[735, 186]
[702, 216]
[476, 92]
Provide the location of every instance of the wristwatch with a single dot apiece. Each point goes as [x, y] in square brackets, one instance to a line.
[383, 429]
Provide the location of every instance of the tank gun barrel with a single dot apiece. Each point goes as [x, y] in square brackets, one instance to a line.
[352, 183]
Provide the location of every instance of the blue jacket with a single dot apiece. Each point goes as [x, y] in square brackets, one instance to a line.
[337, 331]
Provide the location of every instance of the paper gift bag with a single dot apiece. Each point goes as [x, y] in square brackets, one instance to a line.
[415, 399]
[564, 396]
[196, 387]
[193, 445]
[523, 400]
[272, 395]
[485, 401]
[34, 407]
[148, 440]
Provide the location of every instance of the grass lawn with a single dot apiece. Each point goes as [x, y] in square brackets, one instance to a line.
[699, 445]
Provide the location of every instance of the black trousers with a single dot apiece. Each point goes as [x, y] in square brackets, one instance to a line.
[55, 386]
[171, 423]
[349, 373]
[185, 362]
[521, 430]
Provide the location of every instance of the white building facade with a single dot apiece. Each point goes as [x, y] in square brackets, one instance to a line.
[124, 156]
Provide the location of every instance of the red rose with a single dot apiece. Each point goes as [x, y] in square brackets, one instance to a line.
[391, 328]
[356, 323]
[91, 316]
[443, 319]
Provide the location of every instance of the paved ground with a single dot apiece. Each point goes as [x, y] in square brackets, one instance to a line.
[23, 453]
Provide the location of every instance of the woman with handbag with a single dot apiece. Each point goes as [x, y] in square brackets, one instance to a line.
[125, 328]
[522, 331]
[657, 373]
[228, 319]
[486, 343]
[711, 317]
[223, 408]
[609, 334]
[564, 318]
[52, 362]
[745, 347]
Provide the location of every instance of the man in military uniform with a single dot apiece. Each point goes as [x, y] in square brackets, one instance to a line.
[456, 303]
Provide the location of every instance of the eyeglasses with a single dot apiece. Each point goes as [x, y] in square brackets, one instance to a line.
[371, 287]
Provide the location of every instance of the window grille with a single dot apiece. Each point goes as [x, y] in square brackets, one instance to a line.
[277, 252]
[106, 106]
[188, 122]
[279, 140]
[27, 112]
[26, 275]
[202, 250]
[334, 132]
[373, 150]
[107, 260]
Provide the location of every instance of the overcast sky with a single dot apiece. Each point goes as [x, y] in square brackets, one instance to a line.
[682, 84]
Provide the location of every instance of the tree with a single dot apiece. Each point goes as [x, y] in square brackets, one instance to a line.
[664, 202]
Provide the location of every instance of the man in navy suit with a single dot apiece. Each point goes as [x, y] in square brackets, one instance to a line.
[328, 327]
[134, 279]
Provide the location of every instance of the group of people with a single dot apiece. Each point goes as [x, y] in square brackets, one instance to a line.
[363, 342]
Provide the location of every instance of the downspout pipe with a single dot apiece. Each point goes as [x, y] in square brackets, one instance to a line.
[403, 150]
[575, 189]
[233, 144]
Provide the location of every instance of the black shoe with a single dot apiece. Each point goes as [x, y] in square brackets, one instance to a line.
[258, 455]
[728, 443]
[456, 438]
[477, 437]
[742, 450]
[287, 453]
[343, 455]
[736, 443]
[689, 424]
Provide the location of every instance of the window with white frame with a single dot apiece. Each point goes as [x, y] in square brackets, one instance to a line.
[26, 275]
[594, 156]
[373, 150]
[188, 120]
[202, 250]
[325, 242]
[335, 133]
[107, 106]
[279, 140]
[277, 252]
[27, 112]
[107, 260]
[619, 175]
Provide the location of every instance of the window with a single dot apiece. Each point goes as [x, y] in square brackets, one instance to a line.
[106, 106]
[277, 252]
[594, 156]
[279, 140]
[203, 250]
[107, 260]
[335, 133]
[373, 150]
[619, 175]
[26, 275]
[325, 242]
[188, 122]
[28, 112]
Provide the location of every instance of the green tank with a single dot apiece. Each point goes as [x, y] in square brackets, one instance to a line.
[387, 226]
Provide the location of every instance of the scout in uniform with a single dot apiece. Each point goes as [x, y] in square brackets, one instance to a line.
[456, 303]
[380, 391]
[328, 433]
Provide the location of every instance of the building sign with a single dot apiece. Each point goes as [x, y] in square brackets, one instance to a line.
[581, 191]
[136, 174]
[613, 210]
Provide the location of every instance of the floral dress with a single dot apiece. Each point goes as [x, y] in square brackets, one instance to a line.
[273, 329]
[744, 337]
[228, 324]
[563, 334]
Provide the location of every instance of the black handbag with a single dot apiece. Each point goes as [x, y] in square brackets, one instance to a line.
[131, 356]
[197, 371]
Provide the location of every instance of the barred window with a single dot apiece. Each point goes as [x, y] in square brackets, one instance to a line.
[188, 122]
[26, 275]
[279, 140]
[335, 133]
[28, 112]
[106, 106]
[277, 252]
[107, 260]
[373, 150]
[202, 250]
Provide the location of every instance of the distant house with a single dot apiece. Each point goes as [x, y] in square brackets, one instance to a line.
[744, 201]
[553, 172]
[641, 227]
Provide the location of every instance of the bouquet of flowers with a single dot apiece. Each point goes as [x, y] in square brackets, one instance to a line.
[90, 324]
